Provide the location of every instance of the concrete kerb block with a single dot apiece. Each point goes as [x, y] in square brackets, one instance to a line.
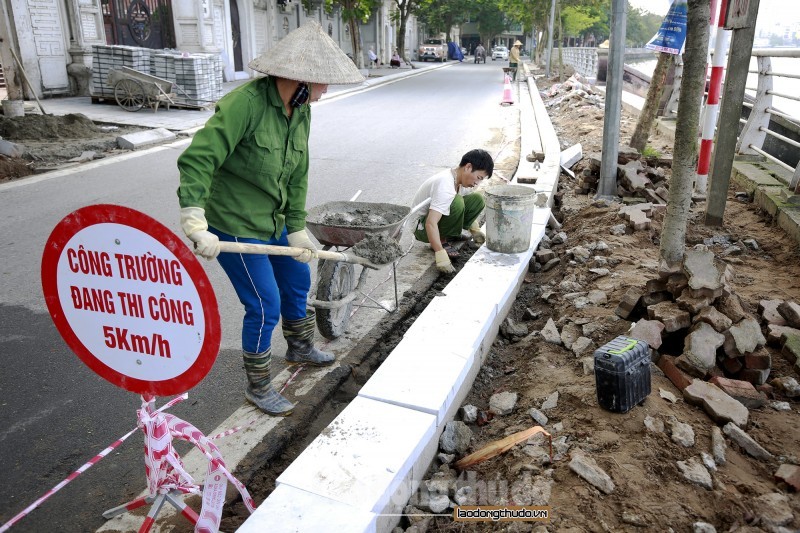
[420, 375]
[363, 456]
[293, 506]
[140, 139]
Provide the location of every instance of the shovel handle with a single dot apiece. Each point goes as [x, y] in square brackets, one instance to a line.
[269, 249]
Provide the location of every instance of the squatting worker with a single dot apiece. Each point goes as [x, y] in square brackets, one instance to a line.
[244, 178]
[454, 206]
[513, 59]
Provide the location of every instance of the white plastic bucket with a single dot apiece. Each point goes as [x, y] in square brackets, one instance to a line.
[13, 108]
[509, 217]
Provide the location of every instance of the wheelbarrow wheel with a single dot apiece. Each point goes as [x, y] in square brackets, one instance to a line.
[130, 95]
[335, 280]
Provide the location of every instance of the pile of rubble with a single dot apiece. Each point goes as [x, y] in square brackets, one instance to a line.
[696, 313]
[574, 91]
[636, 177]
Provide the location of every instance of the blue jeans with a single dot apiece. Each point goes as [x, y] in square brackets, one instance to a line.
[269, 287]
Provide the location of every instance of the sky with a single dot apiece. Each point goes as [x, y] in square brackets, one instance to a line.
[770, 11]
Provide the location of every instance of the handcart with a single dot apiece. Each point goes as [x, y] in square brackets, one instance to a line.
[336, 280]
[133, 89]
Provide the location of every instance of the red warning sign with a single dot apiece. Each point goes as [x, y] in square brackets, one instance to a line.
[131, 300]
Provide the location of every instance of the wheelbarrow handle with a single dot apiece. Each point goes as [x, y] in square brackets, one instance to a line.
[269, 249]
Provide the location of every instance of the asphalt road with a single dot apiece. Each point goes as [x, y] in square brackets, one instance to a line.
[55, 413]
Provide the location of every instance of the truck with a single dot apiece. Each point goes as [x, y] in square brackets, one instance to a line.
[433, 49]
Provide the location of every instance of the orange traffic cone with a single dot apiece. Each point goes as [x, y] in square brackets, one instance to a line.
[508, 98]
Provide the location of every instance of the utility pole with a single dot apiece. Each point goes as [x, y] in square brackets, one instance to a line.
[743, 22]
[550, 25]
[13, 80]
[616, 62]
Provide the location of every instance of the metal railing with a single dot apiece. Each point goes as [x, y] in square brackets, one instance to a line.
[772, 125]
[582, 59]
[765, 121]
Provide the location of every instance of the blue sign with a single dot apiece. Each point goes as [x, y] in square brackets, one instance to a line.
[672, 34]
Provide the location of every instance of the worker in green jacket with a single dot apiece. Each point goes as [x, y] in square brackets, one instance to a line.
[244, 179]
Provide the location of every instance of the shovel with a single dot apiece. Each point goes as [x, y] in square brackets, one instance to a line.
[268, 249]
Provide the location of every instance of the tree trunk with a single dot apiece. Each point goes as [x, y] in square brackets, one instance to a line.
[650, 110]
[560, 39]
[355, 42]
[14, 88]
[673, 235]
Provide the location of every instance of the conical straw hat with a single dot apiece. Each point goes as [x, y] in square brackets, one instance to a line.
[517, 43]
[308, 54]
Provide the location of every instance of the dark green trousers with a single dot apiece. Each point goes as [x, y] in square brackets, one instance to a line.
[463, 212]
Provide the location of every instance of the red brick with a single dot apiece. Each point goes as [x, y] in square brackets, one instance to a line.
[732, 365]
[760, 360]
[714, 372]
[767, 389]
[743, 391]
[754, 375]
[678, 378]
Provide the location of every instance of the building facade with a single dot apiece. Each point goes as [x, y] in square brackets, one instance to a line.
[53, 38]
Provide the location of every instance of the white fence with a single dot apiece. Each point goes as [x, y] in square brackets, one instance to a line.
[772, 129]
[774, 109]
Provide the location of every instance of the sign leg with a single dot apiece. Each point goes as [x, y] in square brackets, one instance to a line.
[130, 506]
[151, 516]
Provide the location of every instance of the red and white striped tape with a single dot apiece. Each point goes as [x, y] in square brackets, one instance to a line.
[93, 461]
[165, 471]
[711, 109]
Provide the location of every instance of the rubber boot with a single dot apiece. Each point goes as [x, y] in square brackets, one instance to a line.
[259, 390]
[299, 336]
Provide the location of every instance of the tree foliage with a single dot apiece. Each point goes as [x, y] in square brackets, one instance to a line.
[441, 15]
[405, 8]
[577, 19]
[354, 12]
[641, 26]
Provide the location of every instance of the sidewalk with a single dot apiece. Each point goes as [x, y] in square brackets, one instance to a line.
[176, 119]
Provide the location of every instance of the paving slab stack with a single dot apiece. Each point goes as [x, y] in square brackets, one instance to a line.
[105, 58]
[198, 76]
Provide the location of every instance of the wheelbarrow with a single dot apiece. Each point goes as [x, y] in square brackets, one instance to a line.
[334, 226]
[133, 89]
[337, 287]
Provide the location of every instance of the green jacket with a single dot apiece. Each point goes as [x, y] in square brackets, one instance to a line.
[248, 166]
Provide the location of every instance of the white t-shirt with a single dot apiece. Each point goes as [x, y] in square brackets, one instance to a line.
[441, 189]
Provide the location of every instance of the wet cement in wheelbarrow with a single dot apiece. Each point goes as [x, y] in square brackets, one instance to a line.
[379, 248]
[361, 218]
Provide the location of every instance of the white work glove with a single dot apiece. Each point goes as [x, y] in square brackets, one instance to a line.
[477, 235]
[443, 263]
[299, 239]
[194, 225]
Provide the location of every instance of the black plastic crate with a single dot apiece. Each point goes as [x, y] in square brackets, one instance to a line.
[622, 374]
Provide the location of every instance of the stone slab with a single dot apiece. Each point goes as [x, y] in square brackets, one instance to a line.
[719, 406]
[140, 139]
[363, 456]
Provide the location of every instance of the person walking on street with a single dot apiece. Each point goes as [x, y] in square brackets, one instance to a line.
[480, 53]
[454, 206]
[244, 178]
[513, 59]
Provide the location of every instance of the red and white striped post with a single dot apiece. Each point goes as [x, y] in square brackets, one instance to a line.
[711, 109]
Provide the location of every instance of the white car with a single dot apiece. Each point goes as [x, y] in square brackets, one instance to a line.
[500, 52]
